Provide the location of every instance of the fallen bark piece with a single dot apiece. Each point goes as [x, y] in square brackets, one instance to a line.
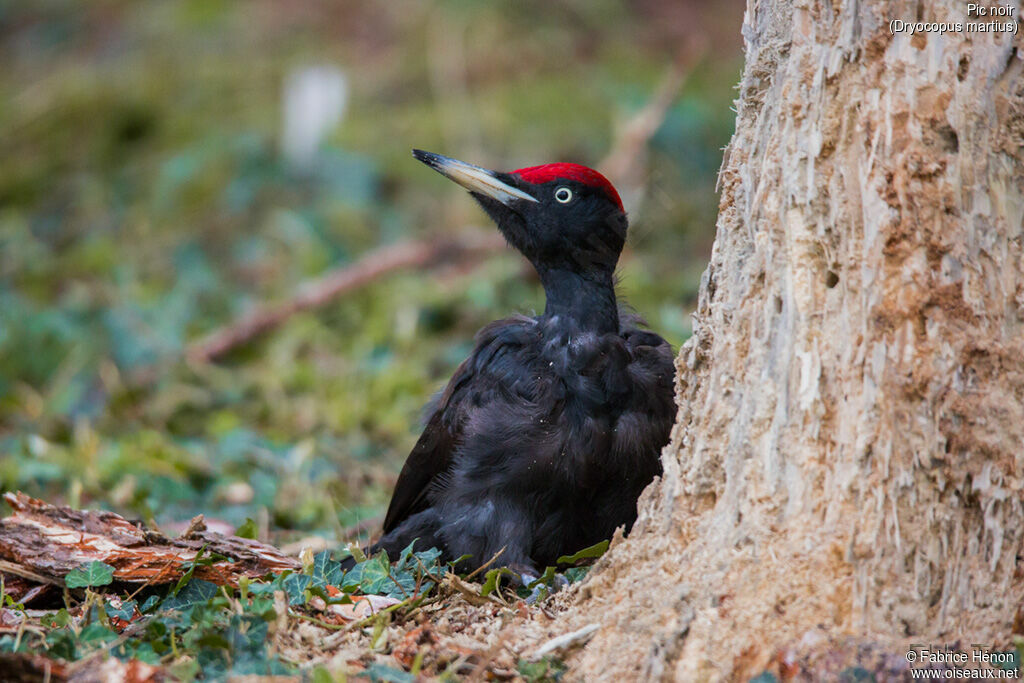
[24, 589]
[44, 542]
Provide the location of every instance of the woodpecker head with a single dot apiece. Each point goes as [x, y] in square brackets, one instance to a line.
[560, 216]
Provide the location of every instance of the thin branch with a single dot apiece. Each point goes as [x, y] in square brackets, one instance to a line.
[626, 164]
[320, 291]
[18, 570]
[486, 564]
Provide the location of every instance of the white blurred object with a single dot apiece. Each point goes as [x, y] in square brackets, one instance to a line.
[314, 103]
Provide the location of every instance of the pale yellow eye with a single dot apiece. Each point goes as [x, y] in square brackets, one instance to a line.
[563, 195]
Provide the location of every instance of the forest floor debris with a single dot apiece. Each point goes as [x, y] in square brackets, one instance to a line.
[89, 595]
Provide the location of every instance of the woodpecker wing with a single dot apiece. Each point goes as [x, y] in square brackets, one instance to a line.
[430, 457]
[483, 377]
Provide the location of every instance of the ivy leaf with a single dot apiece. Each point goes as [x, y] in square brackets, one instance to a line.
[94, 573]
[326, 571]
[369, 576]
[195, 592]
[61, 643]
[150, 603]
[318, 591]
[96, 634]
[125, 611]
[377, 672]
[295, 586]
[431, 557]
[576, 574]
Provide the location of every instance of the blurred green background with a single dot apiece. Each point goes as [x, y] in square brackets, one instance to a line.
[162, 170]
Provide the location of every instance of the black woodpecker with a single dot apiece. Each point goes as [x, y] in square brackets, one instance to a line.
[546, 435]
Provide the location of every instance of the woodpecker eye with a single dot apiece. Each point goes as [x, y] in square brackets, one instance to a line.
[563, 195]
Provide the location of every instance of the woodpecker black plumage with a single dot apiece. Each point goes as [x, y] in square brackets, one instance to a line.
[545, 436]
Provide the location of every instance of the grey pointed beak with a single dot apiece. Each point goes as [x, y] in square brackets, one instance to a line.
[473, 178]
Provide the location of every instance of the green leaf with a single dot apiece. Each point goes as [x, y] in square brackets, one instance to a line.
[185, 669]
[94, 573]
[214, 640]
[61, 643]
[263, 608]
[326, 571]
[492, 578]
[195, 592]
[369, 576]
[431, 557]
[596, 550]
[547, 669]
[9, 602]
[322, 675]
[187, 576]
[126, 611]
[357, 553]
[544, 579]
[576, 574]
[295, 587]
[385, 674]
[134, 649]
[202, 559]
[341, 599]
[150, 603]
[248, 530]
[59, 619]
[96, 633]
[248, 633]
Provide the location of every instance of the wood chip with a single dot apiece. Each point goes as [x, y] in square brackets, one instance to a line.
[566, 641]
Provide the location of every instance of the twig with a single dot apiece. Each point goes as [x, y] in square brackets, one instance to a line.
[317, 292]
[624, 164]
[471, 594]
[353, 625]
[362, 526]
[569, 639]
[17, 570]
[486, 564]
[167, 565]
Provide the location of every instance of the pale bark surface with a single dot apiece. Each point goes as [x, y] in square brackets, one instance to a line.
[847, 464]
